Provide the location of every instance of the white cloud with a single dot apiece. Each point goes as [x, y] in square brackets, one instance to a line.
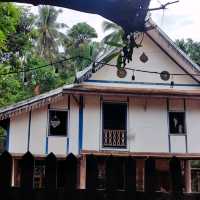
[180, 20]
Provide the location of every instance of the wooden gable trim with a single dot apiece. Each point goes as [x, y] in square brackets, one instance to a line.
[162, 49]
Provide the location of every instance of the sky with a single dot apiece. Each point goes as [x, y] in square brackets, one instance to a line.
[180, 20]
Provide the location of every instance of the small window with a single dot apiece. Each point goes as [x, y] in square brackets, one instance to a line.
[177, 122]
[58, 123]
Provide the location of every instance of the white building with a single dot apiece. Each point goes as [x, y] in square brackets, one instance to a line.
[103, 114]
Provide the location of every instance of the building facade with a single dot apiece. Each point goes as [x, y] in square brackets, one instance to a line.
[142, 115]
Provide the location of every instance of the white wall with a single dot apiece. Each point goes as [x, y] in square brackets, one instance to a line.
[57, 145]
[38, 130]
[193, 125]
[18, 138]
[178, 144]
[91, 123]
[148, 126]
[73, 127]
[18, 142]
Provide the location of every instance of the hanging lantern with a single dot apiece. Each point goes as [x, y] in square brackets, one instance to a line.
[172, 82]
[121, 73]
[144, 58]
[55, 122]
[165, 75]
[133, 76]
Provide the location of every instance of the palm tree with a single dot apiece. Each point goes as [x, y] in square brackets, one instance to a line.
[115, 36]
[49, 34]
[79, 44]
[113, 40]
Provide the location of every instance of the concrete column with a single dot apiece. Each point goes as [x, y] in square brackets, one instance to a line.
[188, 183]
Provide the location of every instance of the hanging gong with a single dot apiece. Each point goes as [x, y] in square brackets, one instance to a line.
[121, 73]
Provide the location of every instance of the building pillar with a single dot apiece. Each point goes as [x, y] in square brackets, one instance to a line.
[82, 180]
[188, 184]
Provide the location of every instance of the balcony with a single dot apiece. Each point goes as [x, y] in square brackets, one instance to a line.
[114, 138]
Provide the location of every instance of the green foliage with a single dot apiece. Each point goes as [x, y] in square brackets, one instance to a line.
[115, 36]
[49, 34]
[82, 33]
[79, 44]
[9, 18]
[2, 131]
[11, 88]
[28, 42]
[191, 48]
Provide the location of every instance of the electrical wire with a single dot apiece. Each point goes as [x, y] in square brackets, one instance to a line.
[95, 62]
[36, 68]
[146, 71]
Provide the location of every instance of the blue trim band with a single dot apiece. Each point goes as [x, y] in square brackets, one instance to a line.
[81, 124]
[47, 139]
[47, 144]
[29, 131]
[8, 136]
[68, 124]
[142, 83]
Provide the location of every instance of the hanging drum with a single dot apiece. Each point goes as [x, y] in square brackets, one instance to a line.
[165, 75]
[144, 58]
[121, 73]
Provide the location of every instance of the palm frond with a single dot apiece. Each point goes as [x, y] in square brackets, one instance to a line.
[107, 26]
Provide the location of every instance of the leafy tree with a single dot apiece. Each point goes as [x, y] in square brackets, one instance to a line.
[24, 33]
[20, 42]
[9, 18]
[115, 36]
[79, 44]
[191, 48]
[11, 88]
[49, 34]
[82, 33]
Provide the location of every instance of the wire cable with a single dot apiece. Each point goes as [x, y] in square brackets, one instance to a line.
[35, 68]
[95, 62]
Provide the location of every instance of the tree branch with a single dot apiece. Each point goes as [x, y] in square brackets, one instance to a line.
[163, 6]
